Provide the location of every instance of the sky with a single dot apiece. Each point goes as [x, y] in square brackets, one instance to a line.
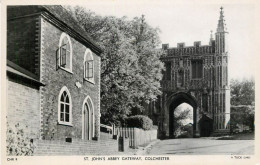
[193, 22]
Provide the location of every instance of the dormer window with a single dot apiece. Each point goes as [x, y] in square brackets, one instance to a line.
[65, 53]
[89, 66]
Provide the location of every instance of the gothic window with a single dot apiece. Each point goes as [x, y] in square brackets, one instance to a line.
[181, 63]
[205, 102]
[180, 78]
[196, 69]
[64, 107]
[88, 66]
[65, 53]
[167, 75]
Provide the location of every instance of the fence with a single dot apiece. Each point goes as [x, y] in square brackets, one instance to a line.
[136, 136]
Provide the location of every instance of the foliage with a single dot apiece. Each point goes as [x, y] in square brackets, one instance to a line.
[17, 143]
[242, 101]
[179, 117]
[242, 92]
[139, 121]
[131, 69]
[242, 115]
[186, 131]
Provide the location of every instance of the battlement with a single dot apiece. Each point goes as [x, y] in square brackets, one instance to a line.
[196, 49]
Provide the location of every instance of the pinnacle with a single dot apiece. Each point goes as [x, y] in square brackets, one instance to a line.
[221, 24]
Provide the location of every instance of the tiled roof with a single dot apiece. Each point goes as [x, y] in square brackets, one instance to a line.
[62, 15]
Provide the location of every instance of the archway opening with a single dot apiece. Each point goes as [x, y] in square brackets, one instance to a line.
[179, 101]
[183, 121]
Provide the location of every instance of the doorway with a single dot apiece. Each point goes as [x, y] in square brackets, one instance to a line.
[206, 126]
[88, 120]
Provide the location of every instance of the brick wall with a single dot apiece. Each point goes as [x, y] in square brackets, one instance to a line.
[23, 107]
[22, 42]
[55, 79]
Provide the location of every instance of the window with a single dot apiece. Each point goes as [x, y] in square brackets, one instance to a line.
[65, 53]
[196, 68]
[205, 102]
[167, 73]
[180, 78]
[88, 66]
[65, 107]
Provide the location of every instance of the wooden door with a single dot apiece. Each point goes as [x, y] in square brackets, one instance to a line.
[86, 122]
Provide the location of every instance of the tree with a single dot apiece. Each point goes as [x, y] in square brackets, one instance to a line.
[131, 69]
[180, 116]
[242, 103]
[242, 92]
[242, 114]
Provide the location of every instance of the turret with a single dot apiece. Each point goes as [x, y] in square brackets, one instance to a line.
[211, 39]
[221, 34]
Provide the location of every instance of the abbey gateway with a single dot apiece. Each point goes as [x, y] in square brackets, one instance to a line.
[196, 75]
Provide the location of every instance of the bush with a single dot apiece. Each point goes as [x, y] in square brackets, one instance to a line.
[139, 121]
[17, 143]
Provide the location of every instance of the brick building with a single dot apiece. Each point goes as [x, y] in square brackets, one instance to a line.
[197, 75]
[53, 74]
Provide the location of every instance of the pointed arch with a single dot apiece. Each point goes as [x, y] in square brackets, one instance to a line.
[89, 66]
[174, 101]
[65, 52]
[64, 107]
[88, 119]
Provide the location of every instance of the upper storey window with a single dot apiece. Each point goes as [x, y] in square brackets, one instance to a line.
[65, 53]
[196, 69]
[167, 73]
[88, 66]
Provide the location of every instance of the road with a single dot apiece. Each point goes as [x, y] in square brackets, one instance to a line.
[202, 146]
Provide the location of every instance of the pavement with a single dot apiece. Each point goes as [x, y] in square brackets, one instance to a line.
[145, 150]
[200, 146]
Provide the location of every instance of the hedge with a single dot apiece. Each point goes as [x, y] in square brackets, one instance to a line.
[139, 121]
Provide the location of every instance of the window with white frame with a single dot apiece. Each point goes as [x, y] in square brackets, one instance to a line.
[65, 107]
[65, 53]
[88, 66]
